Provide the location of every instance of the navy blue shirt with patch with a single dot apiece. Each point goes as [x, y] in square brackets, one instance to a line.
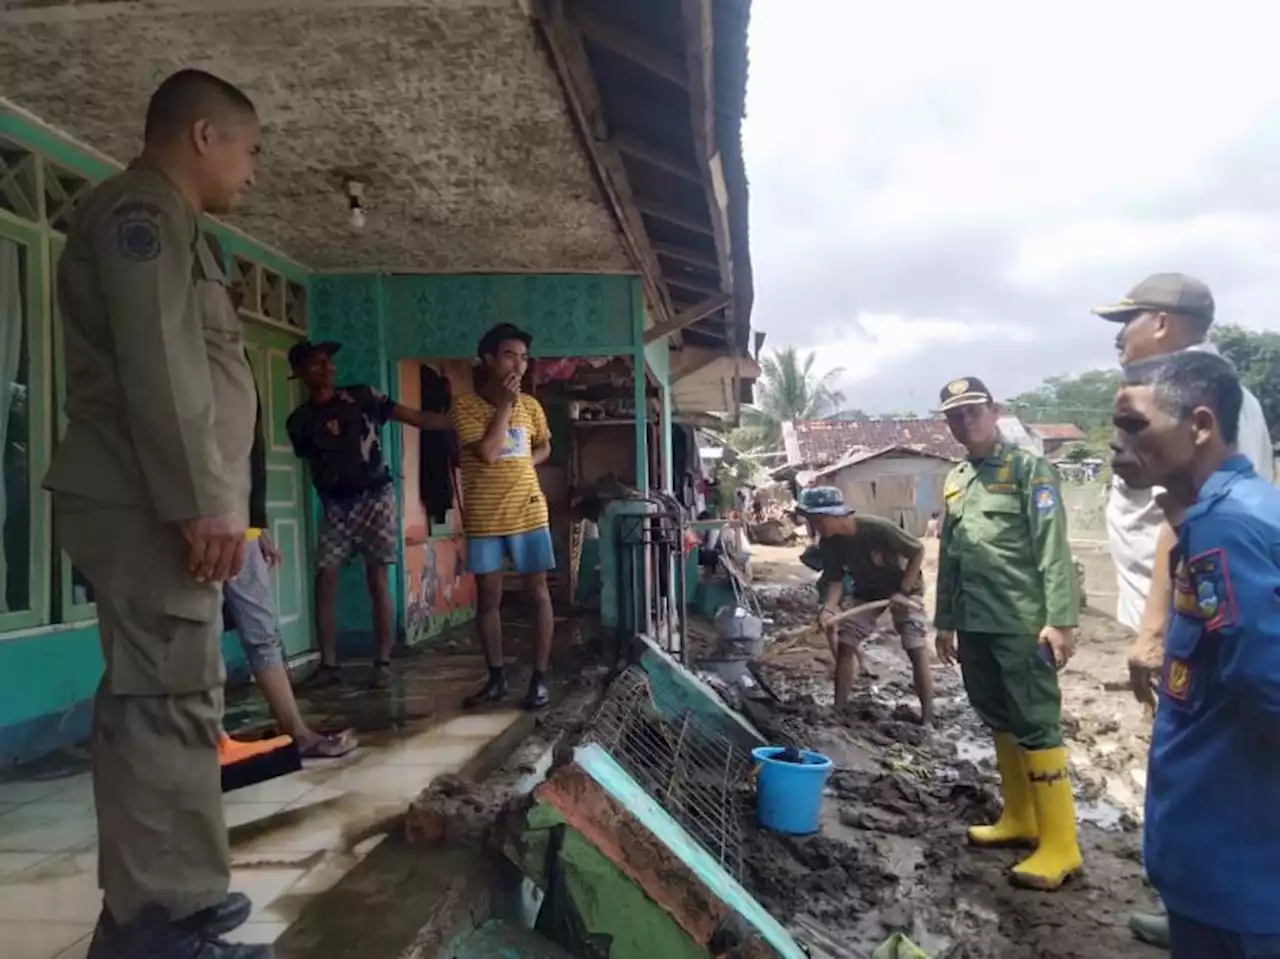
[1212, 845]
[339, 441]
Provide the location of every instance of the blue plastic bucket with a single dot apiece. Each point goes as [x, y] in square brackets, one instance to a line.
[789, 795]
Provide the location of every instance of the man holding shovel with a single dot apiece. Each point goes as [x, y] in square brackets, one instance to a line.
[883, 562]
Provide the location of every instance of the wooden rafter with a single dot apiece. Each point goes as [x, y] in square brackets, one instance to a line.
[687, 317]
[657, 157]
[570, 59]
[628, 46]
[684, 255]
[693, 286]
[673, 215]
[700, 60]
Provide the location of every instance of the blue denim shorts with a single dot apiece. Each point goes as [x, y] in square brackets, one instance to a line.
[252, 599]
[530, 552]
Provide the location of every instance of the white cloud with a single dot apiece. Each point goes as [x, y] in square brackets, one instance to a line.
[1032, 153]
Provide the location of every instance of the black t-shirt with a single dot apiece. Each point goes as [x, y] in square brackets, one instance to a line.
[339, 441]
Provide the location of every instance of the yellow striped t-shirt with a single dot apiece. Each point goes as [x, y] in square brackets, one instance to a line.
[502, 498]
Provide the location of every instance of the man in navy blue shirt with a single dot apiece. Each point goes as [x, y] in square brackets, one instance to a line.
[1212, 839]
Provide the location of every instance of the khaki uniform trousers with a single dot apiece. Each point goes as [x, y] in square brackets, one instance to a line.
[162, 837]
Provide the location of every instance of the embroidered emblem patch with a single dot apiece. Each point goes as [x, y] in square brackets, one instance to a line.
[1210, 589]
[333, 427]
[1184, 597]
[1177, 682]
[138, 238]
[956, 387]
[1045, 498]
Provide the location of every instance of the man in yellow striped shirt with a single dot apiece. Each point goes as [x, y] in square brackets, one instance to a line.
[503, 436]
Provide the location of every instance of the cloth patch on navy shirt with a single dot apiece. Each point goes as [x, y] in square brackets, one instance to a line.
[1177, 679]
[1045, 498]
[1206, 590]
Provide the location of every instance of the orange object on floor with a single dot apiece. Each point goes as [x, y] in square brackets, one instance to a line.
[231, 751]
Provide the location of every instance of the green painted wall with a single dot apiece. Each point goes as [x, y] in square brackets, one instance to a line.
[49, 673]
[383, 319]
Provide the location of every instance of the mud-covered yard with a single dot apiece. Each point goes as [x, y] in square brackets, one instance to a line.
[892, 853]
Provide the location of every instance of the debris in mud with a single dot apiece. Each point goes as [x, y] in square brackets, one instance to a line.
[450, 812]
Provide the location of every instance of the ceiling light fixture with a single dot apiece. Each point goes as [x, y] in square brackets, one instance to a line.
[355, 199]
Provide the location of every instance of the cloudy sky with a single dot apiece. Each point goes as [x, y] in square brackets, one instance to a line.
[941, 189]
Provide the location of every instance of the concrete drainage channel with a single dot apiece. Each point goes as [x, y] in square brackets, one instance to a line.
[603, 828]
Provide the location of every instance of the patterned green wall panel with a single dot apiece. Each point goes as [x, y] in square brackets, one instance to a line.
[567, 314]
[345, 309]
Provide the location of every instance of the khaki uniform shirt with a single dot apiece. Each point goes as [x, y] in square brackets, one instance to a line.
[1004, 561]
[160, 396]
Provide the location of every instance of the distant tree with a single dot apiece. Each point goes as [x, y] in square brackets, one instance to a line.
[850, 415]
[1084, 401]
[788, 389]
[1078, 453]
[1256, 356]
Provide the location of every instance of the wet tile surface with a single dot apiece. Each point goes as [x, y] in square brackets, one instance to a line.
[293, 837]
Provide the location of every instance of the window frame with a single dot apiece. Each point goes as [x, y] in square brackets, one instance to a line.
[31, 237]
[71, 612]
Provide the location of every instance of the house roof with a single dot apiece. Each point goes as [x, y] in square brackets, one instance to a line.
[1056, 431]
[863, 456]
[823, 442]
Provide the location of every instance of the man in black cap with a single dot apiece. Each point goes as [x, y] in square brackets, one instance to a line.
[1166, 313]
[503, 436]
[336, 432]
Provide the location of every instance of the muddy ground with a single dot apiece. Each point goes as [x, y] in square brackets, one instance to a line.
[892, 854]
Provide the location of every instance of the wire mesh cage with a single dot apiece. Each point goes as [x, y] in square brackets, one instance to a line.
[693, 772]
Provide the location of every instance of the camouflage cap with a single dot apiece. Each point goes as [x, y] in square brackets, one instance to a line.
[966, 391]
[1162, 293]
[822, 501]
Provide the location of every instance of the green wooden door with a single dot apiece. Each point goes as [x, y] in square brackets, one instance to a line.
[268, 349]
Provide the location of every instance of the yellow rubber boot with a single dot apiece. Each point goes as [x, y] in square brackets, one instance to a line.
[1017, 823]
[232, 751]
[1057, 857]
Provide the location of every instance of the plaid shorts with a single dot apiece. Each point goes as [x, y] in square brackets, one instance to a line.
[367, 526]
[911, 625]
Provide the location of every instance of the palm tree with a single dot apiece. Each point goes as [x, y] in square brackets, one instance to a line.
[788, 389]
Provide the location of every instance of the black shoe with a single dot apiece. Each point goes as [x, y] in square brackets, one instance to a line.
[538, 697]
[495, 691]
[152, 935]
[325, 677]
[213, 922]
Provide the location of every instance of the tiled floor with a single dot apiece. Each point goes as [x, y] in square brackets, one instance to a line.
[292, 837]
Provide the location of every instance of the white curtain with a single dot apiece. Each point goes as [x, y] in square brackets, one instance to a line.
[11, 330]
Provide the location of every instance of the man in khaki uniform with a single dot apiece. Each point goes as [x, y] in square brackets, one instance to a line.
[151, 497]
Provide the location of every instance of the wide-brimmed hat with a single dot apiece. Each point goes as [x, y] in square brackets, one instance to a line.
[822, 501]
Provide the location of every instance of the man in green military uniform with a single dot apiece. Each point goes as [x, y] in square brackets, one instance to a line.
[151, 500]
[1007, 602]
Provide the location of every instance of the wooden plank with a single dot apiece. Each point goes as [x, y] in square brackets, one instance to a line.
[706, 289]
[687, 317]
[673, 215]
[700, 61]
[574, 69]
[685, 255]
[657, 156]
[627, 45]
[697, 367]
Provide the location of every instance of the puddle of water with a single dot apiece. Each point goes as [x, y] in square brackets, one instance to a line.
[1101, 813]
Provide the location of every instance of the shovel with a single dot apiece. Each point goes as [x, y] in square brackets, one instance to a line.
[786, 640]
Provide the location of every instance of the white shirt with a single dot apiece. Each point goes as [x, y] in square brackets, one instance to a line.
[1133, 518]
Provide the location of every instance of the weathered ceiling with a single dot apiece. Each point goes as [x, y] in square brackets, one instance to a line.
[449, 110]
